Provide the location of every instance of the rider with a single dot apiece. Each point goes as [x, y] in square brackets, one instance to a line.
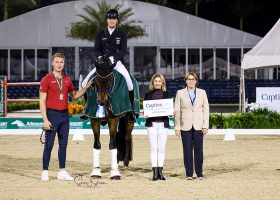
[111, 46]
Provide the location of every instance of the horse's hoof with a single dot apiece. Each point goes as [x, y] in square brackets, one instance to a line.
[125, 163]
[115, 174]
[115, 178]
[96, 173]
[95, 176]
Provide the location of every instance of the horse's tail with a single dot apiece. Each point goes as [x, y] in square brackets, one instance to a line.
[124, 140]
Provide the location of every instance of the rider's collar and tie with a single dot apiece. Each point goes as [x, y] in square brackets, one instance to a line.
[111, 30]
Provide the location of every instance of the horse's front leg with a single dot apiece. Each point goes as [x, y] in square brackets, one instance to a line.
[128, 142]
[113, 124]
[96, 171]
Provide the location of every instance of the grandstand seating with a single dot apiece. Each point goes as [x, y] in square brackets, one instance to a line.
[27, 92]
[223, 91]
[218, 91]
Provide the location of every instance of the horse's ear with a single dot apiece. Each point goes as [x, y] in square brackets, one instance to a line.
[101, 60]
[96, 63]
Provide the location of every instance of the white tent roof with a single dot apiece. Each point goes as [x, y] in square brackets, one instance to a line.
[48, 27]
[266, 53]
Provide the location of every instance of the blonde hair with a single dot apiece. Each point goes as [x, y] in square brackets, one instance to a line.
[163, 87]
[58, 55]
[191, 74]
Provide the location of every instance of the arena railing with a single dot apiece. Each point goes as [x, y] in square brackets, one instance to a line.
[6, 100]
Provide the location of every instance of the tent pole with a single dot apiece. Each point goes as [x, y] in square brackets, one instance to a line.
[240, 93]
[243, 90]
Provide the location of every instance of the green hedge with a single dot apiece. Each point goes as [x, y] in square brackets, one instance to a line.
[257, 119]
[15, 106]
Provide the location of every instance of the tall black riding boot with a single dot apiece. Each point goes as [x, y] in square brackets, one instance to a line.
[131, 117]
[155, 174]
[160, 175]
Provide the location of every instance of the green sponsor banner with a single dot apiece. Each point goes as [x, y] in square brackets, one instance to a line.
[21, 123]
[75, 123]
[2, 97]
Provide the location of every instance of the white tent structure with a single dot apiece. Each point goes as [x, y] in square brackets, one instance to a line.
[265, 54]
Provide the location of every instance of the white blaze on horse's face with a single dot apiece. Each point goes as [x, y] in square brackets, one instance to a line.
[102, 93]
[157, 83]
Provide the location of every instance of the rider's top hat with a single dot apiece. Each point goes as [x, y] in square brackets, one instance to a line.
[112, 13]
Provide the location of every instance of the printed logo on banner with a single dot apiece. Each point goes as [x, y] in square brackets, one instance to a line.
[140, 123]
[3, 125]
[159, 107]
[76, 125]
[18, 123]
[28, 125]
[268, 97]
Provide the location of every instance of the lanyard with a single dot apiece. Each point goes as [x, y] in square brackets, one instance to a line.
[192, 100]
[60, 84]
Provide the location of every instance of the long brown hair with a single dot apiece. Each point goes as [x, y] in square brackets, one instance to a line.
[163, 87]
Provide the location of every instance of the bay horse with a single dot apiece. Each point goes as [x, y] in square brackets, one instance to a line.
[120, 127]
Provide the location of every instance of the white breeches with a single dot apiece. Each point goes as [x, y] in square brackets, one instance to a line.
[120, 68]
[157, 135]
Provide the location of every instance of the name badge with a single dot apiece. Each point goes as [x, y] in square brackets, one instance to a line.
[61, 96]
[118, 40]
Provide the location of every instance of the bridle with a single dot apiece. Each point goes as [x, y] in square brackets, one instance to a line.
[108, 90]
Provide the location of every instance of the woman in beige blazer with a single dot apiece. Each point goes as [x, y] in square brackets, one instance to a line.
[191, 123]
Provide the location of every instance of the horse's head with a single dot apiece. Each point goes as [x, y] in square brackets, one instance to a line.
[103, 82]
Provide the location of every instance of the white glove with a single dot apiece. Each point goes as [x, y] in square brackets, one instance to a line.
[112, 59]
